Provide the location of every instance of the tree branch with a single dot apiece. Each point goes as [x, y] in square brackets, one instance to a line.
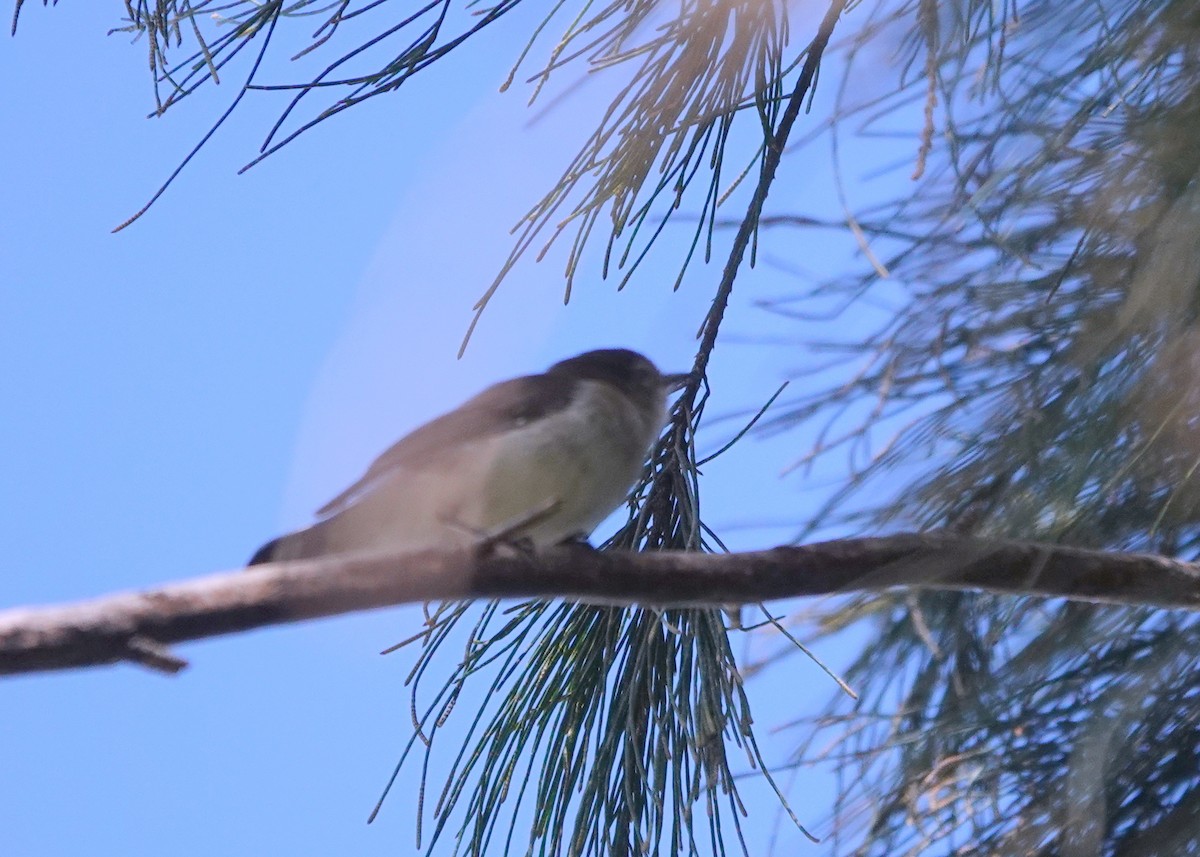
[137, 626]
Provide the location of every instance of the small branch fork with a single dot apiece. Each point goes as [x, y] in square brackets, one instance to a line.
[140, 626]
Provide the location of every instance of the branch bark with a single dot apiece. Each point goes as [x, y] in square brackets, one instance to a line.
[139, 626]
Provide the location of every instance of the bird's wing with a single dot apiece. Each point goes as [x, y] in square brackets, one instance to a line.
[500, 408]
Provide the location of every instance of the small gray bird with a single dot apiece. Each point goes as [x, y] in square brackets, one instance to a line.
[542, 458]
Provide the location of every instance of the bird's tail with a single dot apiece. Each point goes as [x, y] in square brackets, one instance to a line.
[266, 553]
[302, 544]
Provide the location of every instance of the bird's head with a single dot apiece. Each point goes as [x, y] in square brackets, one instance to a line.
[630, 372]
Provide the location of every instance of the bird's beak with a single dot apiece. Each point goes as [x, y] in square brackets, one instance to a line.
[677, 381]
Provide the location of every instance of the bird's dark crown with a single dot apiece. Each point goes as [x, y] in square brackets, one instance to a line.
[618, 366]
[628, 371]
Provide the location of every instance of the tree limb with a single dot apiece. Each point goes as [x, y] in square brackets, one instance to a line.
[138, 626]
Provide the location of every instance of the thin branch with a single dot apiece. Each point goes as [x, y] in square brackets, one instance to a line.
[776, 142]
[125, 626]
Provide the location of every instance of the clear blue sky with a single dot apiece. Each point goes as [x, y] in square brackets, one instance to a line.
[179, 392]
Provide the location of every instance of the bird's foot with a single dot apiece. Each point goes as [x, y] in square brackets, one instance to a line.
[496, 545]
[512, 534]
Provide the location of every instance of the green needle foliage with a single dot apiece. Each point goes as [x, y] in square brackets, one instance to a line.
[605, 726]
[1035, 376]
[686, 74]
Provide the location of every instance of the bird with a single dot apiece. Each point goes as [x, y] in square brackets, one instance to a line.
[537, 460]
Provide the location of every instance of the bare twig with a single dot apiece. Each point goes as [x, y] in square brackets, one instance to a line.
[126, 626]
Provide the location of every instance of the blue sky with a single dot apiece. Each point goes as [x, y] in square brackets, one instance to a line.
[180, 392]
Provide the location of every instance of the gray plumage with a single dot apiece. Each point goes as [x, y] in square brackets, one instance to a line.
[542, 457]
